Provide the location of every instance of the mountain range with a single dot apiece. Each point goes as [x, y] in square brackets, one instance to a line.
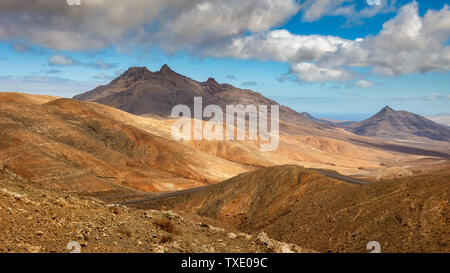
[142, 92]
[153, 94]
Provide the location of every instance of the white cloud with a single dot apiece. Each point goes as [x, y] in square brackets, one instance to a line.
[240, 29]
[407, 44]
[310, 72]
[73, 2]
[61, 60]
[364, 84]
[211, 22]
[174, 24]
[281, 45]
[411, 44]
[313, 10]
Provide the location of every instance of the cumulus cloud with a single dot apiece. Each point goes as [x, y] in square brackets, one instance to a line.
[364, 84]
[63, 60]
[310, 72]
[407, 44]
[411, 44]
[308, 54]
[240, 29]
[281, 45]
[313, 10]
[98, 24]
[211, 22]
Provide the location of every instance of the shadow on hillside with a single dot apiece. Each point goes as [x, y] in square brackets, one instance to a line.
[403, 149]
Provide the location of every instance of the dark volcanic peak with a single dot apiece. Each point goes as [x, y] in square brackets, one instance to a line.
[213, 87]
[134, 73]
[165, 68]
[392, 124]
[387, 109]
[135, 70]
[212, 81]
[142, 92]
[166, 72]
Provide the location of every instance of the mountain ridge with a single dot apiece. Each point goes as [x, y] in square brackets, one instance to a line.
[142, 92]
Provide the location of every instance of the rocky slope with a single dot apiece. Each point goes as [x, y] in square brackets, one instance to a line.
[35, 219]
[300, 206]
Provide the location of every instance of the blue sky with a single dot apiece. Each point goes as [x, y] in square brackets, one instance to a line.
[342, 59]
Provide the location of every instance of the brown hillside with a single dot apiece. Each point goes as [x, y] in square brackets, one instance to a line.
[298, 205]
[35, 219]
[74, 146]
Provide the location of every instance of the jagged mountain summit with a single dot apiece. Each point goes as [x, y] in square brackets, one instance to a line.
[143, 92]
[392, 124]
